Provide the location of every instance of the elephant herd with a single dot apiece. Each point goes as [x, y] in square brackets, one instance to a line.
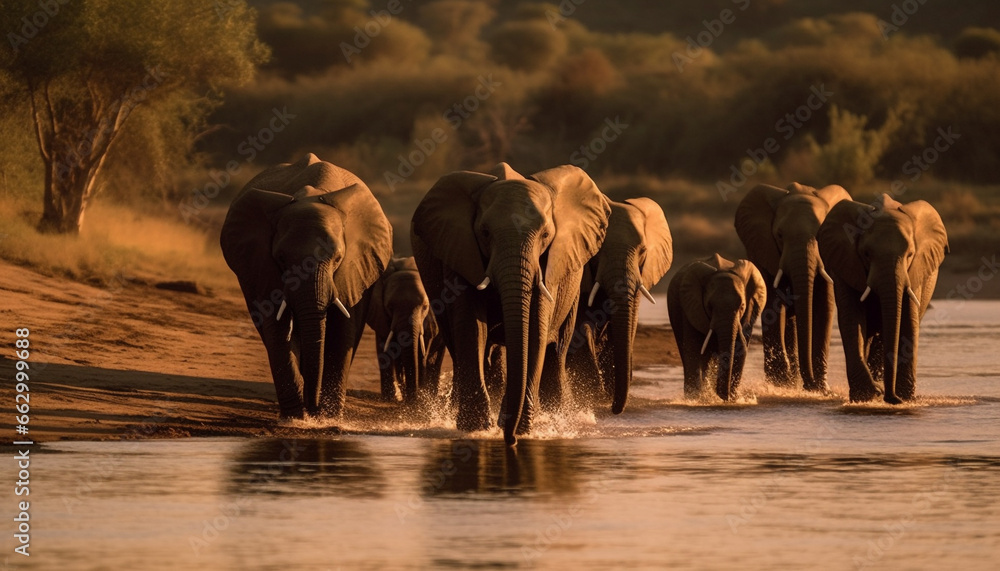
[532, 284]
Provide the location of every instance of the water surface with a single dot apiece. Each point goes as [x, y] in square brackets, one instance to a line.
[782, 480]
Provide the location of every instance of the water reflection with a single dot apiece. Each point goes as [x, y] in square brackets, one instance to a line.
[490, 467]
[308, 467]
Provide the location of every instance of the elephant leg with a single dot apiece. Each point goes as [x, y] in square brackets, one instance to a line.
[554, 390]
[432, 366]
[386, 371]
[822, 326]
[468, 337]
[739, 360]
[777, 371]
[689, 346]
[791, 346]
[852, 322]
[906, 369]
[541, 316]
[341, 343]
[284, 368]
[496, 370]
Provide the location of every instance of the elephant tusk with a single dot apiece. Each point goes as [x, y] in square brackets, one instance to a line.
[777, 278]
[705, 344]
[281, 309]
[593, 294]
[646, 293]
[482, 286]
[340, 306]
[545, 290]
[423, 346]
[826, 276]
[385, 348]
[913, 295]
[291, 324]
[868, 290]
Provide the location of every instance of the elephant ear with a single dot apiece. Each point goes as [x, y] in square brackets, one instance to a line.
[246, 239]
[929, 234]
[377, 317]
[754, 222]
[444, 221]
[837, 238]
[367, 241]
[580, 211]
[832, 194]
[755, 293]
[659, 243]
[694, 279]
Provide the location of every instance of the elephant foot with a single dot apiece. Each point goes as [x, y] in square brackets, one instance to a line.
[820, 387]
[864, 395]
[472, 421]
[294, 414]
[892, 399]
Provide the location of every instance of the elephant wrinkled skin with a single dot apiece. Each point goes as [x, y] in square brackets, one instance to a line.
[307, 240]
[505, 253]
[884, 259]
[713, 304]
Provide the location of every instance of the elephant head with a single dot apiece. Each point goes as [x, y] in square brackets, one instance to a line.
[778, 228]
[400, 311]
[721, 300]
[888, 254]
[636, 252]
[303, 238]
[525, 237]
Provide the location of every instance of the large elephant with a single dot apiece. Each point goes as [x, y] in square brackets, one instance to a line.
[637, 251]
[506, 254]
[307, 240]
[713, 305]
[407, 341]
[778, 228]
[884, 259]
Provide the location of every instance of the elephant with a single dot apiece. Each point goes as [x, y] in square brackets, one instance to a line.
[884, 259]
[713, 305]
[778, 228]
[506, 253]
[407, 342]
[636, 253]
[307, 240]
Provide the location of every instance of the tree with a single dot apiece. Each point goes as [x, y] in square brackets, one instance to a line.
[85, 66]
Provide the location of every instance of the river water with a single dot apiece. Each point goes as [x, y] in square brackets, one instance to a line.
[781, 480]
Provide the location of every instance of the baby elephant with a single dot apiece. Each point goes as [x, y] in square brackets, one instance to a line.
[713, 304]
[407, 341]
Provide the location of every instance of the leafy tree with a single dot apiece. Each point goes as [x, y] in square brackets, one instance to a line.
[85, 66]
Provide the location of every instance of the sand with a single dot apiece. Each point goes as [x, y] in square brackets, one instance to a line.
[133, 361]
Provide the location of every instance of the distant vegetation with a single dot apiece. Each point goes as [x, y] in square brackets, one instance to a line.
[680, 100]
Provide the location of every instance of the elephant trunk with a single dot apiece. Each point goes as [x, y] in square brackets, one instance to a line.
[411, 365]
[311, 326]
[623, 326]
[803, 289]
[515, 278]
[891, 288]
[310, 305]
[727, 335]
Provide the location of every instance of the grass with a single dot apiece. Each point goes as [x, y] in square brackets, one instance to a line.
[116, 242]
